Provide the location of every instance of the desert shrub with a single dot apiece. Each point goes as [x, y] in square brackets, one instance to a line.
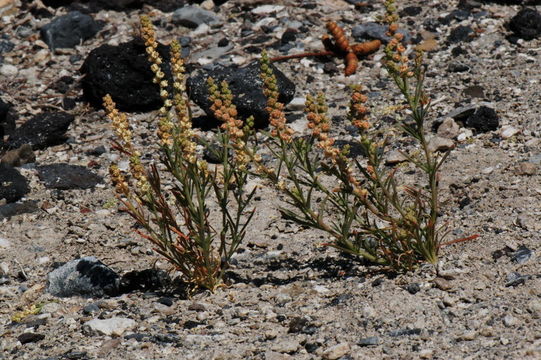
[172, 205]
[366, 210]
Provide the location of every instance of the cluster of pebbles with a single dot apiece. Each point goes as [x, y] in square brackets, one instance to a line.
[77, 283]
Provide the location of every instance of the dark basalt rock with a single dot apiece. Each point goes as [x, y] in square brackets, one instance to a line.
[483, 119]
[9, 210]
[123, 71]
[69, 30]
[246, 86]
[526, 24]
[97, 5]
[375, 31]
[83, 277]
[43, 130]
[7, 120]
[460, 33]
[65, 177]
[13, 186]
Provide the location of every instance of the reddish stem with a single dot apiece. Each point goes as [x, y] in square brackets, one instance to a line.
[473, 237]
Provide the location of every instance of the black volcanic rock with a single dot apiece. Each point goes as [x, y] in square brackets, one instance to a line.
[65, 176]
[13, 186]
[246, 86]
[483, 119]
[69, 30]
[43, 130]
[526, 24]
[123, 71]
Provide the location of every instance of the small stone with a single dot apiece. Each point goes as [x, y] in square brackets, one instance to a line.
[4, 267]
[69, 30]
[534, 307]
[405, 332]
[9, 70]
[457, 67]
[193, 16]
[460, 33]
[448, 300]
[413, 288]
[271, 334]
[4, 244]
[369, 341]
[510, 320]
[515, 279]
[526, 168]
[26, 338]
[115, 326]
[448, 129]
[522, 255]
[336, 351]
[442, 284]
[437, 143]
[475, 91]
[167, 301]
[286, 346]
[297, 104]
[395, 157]
[90, 309]
[507, 132]
[297, 324]
[273, 355]
[375, 31]
[469, 335]
[197, 307]
[426, 353]
[267, 9]
[464, 135]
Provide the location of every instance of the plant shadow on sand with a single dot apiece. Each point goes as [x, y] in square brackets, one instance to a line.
[328, 267]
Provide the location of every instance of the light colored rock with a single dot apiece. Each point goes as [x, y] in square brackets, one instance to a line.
[9, 70]
[465, 134]
[286, 346]
[426, 353]
[4, 268]
[273, 355]
[115, 326]
[320, 289]
[510, 320]
[4, 243]
[336, 351]
[448, 129]
[297, 104]
[395, 157]
[469, 335]
[193, 16]
[508, 131]
[534, 307]
[267, 9]
[207, 5]
[440, 144]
